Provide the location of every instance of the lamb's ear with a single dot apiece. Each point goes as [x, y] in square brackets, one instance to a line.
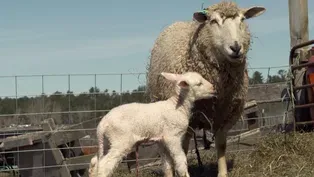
[253, 11]
[200, 16]
[183, 84]
[170, 76]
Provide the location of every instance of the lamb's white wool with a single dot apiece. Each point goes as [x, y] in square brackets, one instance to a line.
[165, 122]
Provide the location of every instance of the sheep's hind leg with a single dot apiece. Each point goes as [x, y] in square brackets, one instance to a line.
[174, 146]
[108, 163]
[221, 144]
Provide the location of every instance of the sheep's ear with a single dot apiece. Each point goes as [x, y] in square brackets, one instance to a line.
[171, 76]
[200, 16]
[253, 11]
[183, 84]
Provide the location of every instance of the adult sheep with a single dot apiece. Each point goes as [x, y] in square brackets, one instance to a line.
[215, 44]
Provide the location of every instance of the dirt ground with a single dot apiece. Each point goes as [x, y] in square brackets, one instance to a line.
[272, 155]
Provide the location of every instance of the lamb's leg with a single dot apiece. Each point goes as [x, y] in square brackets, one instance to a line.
[221, 143]
[107, 163]
[166, 161]
[174, 146]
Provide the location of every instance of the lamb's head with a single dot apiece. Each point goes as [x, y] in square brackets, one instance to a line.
[192, 85]
[226, 30]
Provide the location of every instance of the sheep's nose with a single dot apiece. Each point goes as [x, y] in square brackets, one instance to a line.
[236, 48]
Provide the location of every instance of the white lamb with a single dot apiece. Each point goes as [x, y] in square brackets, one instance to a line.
[165, 122]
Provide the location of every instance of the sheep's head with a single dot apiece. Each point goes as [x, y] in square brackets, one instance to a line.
[191, 83]
[227, 31]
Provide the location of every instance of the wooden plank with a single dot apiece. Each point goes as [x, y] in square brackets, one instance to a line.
[250, 107]
[250, 103]
[58, 156]
[22, 140]
[250, 110]
[191, 153]
[63, 136]
[20, 129]
[83, 162]
[28, 139]
[38, 156]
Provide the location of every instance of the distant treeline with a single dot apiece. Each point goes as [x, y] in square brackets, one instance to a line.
[58, 104]
[257, 77]
[27, 110]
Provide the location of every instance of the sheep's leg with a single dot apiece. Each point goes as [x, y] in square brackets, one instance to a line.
[108, 163]
[136, 157]
[166, 161]
[221, 144]
[179, 158]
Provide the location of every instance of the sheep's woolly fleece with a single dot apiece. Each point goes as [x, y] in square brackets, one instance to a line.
[187, 46]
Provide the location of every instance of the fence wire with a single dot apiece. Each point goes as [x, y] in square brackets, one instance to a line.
[25, 106]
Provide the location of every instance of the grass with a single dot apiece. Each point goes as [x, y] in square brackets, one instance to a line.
[277, 155]
[6, 174]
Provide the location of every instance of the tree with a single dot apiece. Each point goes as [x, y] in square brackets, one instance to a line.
[257, 78]
[279, 77]
[92, 90]
[57, 105]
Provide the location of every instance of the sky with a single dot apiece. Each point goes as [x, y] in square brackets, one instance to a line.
[106, 36]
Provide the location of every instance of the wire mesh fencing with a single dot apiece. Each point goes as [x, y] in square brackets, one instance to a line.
[55, 116]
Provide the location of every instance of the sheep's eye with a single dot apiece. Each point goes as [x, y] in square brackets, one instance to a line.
[242, 19]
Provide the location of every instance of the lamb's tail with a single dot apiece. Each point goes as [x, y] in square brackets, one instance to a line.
[101, 140]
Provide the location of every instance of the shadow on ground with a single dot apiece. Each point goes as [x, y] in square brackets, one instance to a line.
[209, 170]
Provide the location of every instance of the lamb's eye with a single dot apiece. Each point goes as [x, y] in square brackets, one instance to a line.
[242, 19]
[213, 21]
[199, 84]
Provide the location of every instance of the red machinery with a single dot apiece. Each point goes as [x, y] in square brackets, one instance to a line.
[304, 102]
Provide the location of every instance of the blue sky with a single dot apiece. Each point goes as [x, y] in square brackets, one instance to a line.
[106, 36]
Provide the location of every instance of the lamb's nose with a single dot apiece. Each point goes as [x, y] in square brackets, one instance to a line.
[236, 48]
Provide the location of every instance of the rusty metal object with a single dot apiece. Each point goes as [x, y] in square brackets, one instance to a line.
[292, 51]
[304, 123]
[308, 64]
[303, 86]
[304, 105]
[295, 67]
